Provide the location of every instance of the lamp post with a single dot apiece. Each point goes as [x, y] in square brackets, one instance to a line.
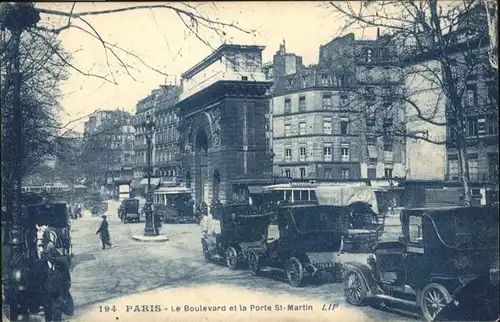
[16, 18]
[147, 127]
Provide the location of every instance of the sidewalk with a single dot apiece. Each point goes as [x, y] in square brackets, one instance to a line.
[185, 303]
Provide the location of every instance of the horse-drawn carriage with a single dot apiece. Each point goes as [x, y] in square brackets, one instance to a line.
[47, 243]
[310, 238]
[240, 229]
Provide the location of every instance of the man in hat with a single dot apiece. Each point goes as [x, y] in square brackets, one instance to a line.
[103, 230]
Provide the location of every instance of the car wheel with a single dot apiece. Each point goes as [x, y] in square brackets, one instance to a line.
[355, 289]
[253, 264]
[295, 272]
[434, 298]
[231, 258]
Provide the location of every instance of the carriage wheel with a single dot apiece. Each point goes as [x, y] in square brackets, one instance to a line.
[253, 264]
[295, 272]
[434, 298]
[231, 258]
[354, 288]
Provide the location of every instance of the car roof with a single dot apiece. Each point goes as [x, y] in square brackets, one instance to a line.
[444, 210]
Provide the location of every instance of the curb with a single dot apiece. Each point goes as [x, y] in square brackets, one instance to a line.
[147, 239]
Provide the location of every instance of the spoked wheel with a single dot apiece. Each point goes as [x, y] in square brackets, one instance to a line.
[295, 272]
[354, 288]
[253, 264]
[434, 298]
[231, 258]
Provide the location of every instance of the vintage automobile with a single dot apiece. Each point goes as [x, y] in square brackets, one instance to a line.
[310, 238]
[22, 285]
[129, 211]
[426, 261]
[240, 229]
[174, 205]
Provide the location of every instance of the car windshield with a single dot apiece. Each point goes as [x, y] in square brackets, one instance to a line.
[390, 233]
[317, 219]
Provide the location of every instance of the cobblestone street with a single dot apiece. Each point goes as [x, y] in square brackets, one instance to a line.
[175, 273]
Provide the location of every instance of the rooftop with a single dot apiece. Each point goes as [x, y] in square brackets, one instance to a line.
[218, 54]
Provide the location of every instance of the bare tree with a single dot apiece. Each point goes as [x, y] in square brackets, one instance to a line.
[438, 48]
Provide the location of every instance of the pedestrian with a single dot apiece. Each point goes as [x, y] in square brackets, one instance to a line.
[103, 230]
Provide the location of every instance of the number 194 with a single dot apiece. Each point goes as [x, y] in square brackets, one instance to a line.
[107, 308]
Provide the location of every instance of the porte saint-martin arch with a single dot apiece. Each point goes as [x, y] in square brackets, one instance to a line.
[222, 125]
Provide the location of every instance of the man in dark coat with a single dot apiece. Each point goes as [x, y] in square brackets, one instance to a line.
[103, 230]
[56, 298]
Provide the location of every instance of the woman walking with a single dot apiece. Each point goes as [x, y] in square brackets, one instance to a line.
[103, 230]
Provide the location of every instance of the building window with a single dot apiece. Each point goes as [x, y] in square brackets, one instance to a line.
[388, 156]
[304, 81]
[302, 103]
[302, 154]
[302, 173]
[288, 154]
[328, 173]
[344, 173]
[288, 105]
[473, 169]
[453, 169]
[492, 97]
[481, 126]
[288, 173]
[471, 126]
[325, 81]
[372, 173]
[368, 55]
[492, 125]
[288, 129]
[344, 126]
[327, 125]
[302, 128]
[387, 173]
[327, 152]
[471, 95]
[493, 166]
[344, 152]
[327, 101]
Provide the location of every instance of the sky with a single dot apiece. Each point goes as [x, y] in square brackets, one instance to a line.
[161, 40]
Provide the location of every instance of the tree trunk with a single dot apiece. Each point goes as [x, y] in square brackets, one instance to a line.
[463, 163]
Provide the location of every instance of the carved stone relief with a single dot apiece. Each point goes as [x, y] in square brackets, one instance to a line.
[215, 117]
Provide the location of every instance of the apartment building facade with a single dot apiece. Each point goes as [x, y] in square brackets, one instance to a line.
[320, 125]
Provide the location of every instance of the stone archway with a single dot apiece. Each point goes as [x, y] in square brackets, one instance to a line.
[202, 144]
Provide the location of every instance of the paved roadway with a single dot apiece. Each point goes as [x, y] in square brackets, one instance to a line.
[175, 273]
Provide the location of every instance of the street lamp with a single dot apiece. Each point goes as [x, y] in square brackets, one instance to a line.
[147, 127]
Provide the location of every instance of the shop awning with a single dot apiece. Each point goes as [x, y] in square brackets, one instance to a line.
[255, 189]
[154, 181]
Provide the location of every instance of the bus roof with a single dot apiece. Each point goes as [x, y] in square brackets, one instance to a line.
[172, 190]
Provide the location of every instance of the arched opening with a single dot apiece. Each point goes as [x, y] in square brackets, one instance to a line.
[216, 186]
[188, 179]
[201, 176]
[201, 142]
